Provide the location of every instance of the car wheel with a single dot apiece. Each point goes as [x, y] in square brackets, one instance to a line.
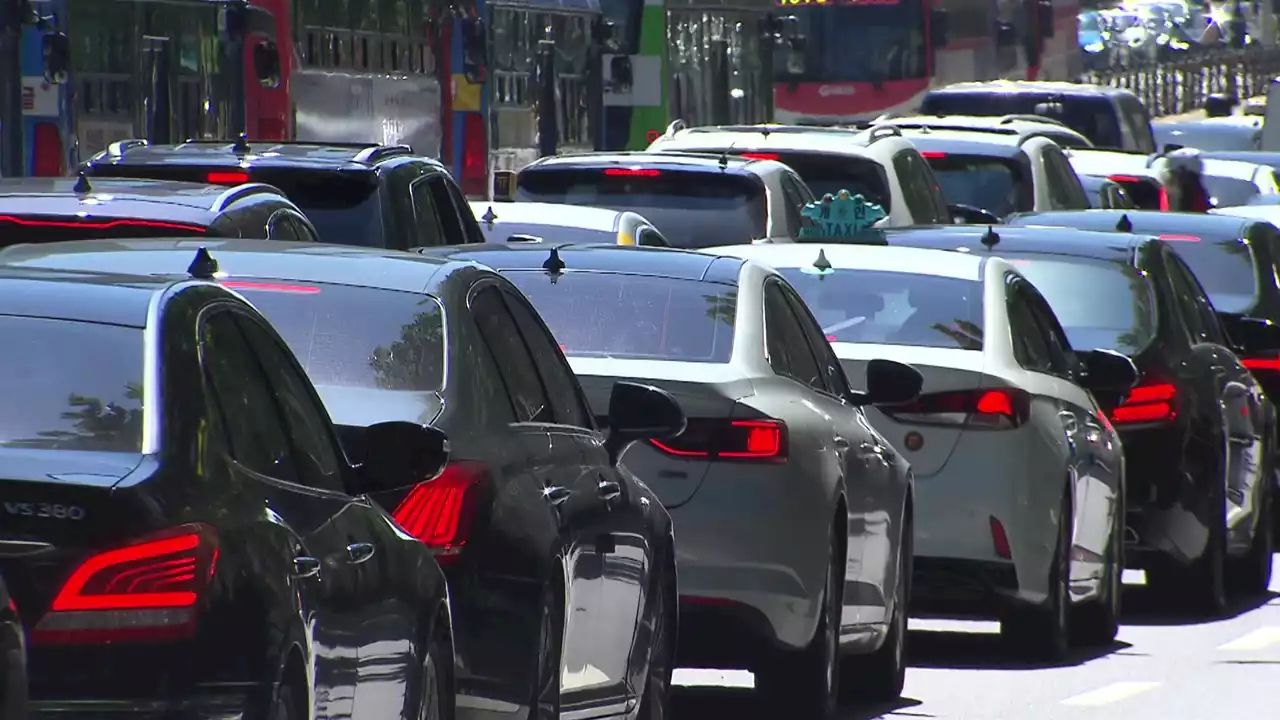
[803, 684]
[656, 703]
[1096, 623]
[286, 705]
[1042, 632]
[881, 675]
[1201, 586]
[435, 696]
[1250, 576]
[545, 703]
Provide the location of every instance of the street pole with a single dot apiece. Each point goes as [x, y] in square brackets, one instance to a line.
[11, 121]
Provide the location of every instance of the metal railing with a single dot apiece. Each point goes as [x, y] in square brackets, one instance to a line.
[1173, 88]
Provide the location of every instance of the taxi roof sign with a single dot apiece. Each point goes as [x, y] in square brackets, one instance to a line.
[842, 216]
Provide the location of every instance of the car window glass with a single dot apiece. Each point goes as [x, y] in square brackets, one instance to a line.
[1206, 317]
[562, 388]
[915, 192]
[830, 374]
[450, 220]
[1055, 342]
[515, 364]
[470, 229]
[306, 422]
[776, 315]
[793, 202]
[1030, 349]
[426, 215]
[650, 237]
[1140, 123]
[1184, 293]
[255, 434]
[782, 333]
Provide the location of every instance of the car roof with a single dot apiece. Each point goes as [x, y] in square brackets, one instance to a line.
[259, 154]
[554, 214]
[632, 260]
[1109, 162]
[1008, 125]
[81, 296]
[959, 142]
[1021, 239]
[1029, 87]
[706, 162]
[748, 138]
[374, 268]
[1149, 222]
[116, 198]
[917, 261]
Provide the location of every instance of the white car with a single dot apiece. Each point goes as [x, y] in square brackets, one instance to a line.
[1019, 476]
[557, 223]
[1229, 182]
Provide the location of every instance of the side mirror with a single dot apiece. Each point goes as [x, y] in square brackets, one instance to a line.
[1107, 372]
[970, 215]
[504, 185]
[889, 382]
[266, 63]
[56, 51]
[396, 455]
[1045, 17]
[939, 28]
[640, 412]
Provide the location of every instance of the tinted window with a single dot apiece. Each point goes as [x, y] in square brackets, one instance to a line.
[634, 316]
[1144, 193]
[70, 385]
[1093, 117]
[1117, 312]
[998, 185]
[1228, 191]
[825, 173]
[789, 352]
[48, 229]
[893, 308]
[1224, 267]
[692, 209]
[503, 231]
[562, 388]
[515, 362]
[426, 216]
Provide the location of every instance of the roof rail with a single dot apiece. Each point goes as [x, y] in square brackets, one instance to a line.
[120, 147]
[881, 132]
[1010, 119]
[381, 152]
[239, 192]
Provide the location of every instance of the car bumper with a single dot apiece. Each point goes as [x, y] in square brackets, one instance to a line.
[1168, 510]
[219, 704]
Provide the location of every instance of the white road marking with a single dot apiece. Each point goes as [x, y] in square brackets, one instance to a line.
[1258, 639]
[697, 677]
[1134, 577]
[1115, 692]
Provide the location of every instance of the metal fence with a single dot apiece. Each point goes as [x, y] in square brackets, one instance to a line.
[1172, 88]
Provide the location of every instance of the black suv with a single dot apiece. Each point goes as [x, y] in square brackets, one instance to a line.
[381, 196]
[55, 209]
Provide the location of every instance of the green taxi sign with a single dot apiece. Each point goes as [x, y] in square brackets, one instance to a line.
[842, 216]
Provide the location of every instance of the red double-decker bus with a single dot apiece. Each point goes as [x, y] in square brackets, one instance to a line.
[849, 60]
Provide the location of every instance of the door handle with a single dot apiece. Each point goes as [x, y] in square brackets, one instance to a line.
[556, 495]
[609, 490]
[841, 443]
[305, 567]
[359, 552]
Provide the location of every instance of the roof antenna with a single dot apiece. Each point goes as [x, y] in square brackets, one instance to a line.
[822, 264]
[990, 238]
[489, 217]
[203, 267]
[724, 156]
[1125, 225]
[242, 145]
[554, 265]
[82, 186]
[764, 131]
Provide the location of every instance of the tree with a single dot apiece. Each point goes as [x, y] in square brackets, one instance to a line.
[415, 361]
[95, 425]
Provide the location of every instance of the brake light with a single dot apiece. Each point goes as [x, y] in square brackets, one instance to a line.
[1124, 178]
[148, 590]
[1180, 238]
[1270, 364]
[932, 155]
[101, 224]
[632, 172]
[761, 156]
[47, 158]
[728, 440]
[270, 287]
[989, 409]
[226, 178]
[1146, 403]
[439, 512]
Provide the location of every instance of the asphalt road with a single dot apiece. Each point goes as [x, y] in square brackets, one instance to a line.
[1162, 667]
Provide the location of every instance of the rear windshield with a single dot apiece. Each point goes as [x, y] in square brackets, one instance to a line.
[1229, 191]
[1144, 193]
[893, 308]
[15, 229]
[634, 316]
[825, 173]
[503, 232]
[1225, 268]
[998, 185]
[1093, 117]
[1118, 311]
[691, 208]
[70, 385]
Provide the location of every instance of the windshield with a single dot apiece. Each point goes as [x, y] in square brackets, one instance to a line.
[1089, 23]
[353, 338]
[893, 308]
[344, 211]
[503, 231]
[602, 314]
[15, 229]
[998, 185]
[1225, 268]
[1093, 117]
[692, 209]
[1117, 313]
[71, 385]
[864, 43]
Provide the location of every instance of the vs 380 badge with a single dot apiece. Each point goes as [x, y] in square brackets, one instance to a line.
[53, 511]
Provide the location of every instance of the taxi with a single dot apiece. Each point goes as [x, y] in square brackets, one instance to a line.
[534, 222]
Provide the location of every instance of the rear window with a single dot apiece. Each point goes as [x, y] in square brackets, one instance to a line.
[1145, 193]
[1225, 268]
[70, 385]
[15, 229]
[998, 185]
[691, 208]
[825, 173]
[503, 232]
[598, 314]
[1228, 191]
[1093, 117]
[893, 308]
[1118, 311]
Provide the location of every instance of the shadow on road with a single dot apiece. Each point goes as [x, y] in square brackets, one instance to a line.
[958, 650]
[1144, 607]
[741, 704]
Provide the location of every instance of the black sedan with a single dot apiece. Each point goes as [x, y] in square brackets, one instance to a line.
[13, 657]
[560, 564]
[181, 532]
[1197, 430]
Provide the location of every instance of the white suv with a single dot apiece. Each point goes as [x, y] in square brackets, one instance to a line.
[880, 165]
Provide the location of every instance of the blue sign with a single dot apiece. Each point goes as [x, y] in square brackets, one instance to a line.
[840, 216]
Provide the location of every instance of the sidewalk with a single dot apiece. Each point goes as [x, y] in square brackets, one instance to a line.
[1259, 101]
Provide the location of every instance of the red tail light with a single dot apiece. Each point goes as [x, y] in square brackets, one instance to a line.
[148, 590]
[1124, 178]
[761, 156]
[1266, 364]
[932, 155]
[475, 156]
[1152, 401]
[729, 440]
[439, 512]
[632, 172]
[48, 156]
[226, 178]
[990, 409]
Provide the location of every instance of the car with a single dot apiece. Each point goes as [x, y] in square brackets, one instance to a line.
[557, 559]
[1270, 158]
[1234, 133]
[773, 481]
[365, 194]
[13, 655]
[56, 209]
[1198, 431]
[1228, 182]
[1105, 193]
[1111, 118]
[880, 165]
[194, 542]
[999, 174]
[1017, 126]
[1019, 480]
[1131, 171]
[529, 222]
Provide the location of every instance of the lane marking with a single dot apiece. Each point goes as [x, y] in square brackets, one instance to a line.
[1261, 638]
[1115, 692]
[697, 677]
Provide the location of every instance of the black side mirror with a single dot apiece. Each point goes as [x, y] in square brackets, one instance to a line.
[640, 412]
[56, 50]
[266, 63]
[1107, 372]
[1045, 17]
[970, 215]
[939, 28]
[889, 382]
[395, 455]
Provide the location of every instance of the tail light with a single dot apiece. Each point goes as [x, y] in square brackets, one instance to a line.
[763, 440]
[1266, 364]
[148, 590]
[932, 155]
[761, 156]
[475, 156]
[990, 409]
[226, 178]
[439, 512]
[47, 159]
[1151, 401]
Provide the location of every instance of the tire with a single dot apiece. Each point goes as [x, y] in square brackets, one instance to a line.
[803, 684]
[881, 675]
[1043, 632]
[544, 704]
[13, 680]
[286, 705]
[1096, 623]
[1200, 587]
[1250, 576]
[435, 689]
[655, 704]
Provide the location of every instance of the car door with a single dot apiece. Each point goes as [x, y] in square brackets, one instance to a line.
[617, 527]
[312, 521]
